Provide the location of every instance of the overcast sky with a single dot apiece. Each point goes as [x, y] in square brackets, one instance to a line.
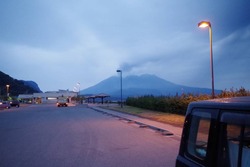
[59, 43]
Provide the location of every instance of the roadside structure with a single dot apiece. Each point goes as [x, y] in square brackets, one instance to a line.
[93, 97]
[47, 97]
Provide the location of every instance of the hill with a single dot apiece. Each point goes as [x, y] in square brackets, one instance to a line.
[142, 85]
[32, 84]
[16, 86]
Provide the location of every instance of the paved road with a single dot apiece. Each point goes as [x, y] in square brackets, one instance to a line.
[44, 135]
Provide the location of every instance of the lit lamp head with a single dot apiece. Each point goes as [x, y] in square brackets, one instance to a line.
[204, 24]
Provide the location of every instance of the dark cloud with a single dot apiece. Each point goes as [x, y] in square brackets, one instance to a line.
[93, 38]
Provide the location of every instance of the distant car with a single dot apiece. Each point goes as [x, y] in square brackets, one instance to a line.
[14, 103]
[62, 103]
[4, 104]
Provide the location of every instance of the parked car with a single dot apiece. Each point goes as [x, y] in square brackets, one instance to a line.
[4, 104]
[15, 103]
[216, 133]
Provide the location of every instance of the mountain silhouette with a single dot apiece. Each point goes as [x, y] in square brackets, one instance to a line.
[145, 84]
[16, 87]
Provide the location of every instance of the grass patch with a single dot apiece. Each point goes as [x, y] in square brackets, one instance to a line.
[168, 118]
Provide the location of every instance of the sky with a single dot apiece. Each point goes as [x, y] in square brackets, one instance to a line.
[60, 44]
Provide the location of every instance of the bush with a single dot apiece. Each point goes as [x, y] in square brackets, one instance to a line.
[178, 104]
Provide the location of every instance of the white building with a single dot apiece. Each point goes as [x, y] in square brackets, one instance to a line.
[48, 97]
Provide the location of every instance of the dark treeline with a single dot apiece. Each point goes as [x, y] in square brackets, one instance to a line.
[178, 104]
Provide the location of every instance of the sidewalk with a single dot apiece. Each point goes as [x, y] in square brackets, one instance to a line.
[165, 129]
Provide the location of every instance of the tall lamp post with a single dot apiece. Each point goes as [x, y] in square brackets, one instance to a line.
[7, 87]
[204, 24]
[120, 71]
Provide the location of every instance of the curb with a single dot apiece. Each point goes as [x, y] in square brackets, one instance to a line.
[141, 125]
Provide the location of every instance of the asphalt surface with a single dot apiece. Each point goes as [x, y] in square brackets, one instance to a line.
[45, 135]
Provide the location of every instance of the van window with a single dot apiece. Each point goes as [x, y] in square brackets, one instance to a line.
[198, 135]
[237, 142]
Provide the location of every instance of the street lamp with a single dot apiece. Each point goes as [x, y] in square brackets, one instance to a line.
[7, 87]
[204, 24]
[120, 71]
